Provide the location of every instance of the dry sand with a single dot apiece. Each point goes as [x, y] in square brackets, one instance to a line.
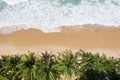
[91, 38]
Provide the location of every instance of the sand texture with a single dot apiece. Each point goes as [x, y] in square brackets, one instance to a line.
[94, 38]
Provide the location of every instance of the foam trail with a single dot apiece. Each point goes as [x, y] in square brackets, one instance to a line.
[49, 14]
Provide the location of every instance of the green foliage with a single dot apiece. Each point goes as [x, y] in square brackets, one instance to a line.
[69, 63]
[66, 65]
[49, 68]
[99, 66]
[9, 67]
[28, 67]
[114, 71]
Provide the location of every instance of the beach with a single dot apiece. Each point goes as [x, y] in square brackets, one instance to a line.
[92, 38]
[59, 39]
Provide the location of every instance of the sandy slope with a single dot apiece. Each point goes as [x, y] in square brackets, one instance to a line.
[92, 38]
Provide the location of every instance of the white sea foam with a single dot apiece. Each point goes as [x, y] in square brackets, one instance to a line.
[11, 29]
[14, 2]
[50, 14]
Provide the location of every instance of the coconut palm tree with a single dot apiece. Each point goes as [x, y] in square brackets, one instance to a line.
[9, 67]
[118, 66]
[28, 66]
[2, 76]
[113, 69]
[99, 66]
[49, 69]
[69, 64]
[93, 65]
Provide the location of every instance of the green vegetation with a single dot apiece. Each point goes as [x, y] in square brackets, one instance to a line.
[66, 65]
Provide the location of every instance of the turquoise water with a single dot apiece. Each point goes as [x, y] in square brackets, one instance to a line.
[76, 2]
[73, 2]
[2, 5]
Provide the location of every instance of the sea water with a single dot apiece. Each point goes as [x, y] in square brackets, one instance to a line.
[48, 15]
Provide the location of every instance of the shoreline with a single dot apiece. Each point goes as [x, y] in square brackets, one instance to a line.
[13, 50]
[89, 38]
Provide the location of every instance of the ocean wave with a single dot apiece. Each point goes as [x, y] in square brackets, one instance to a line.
[50, 14]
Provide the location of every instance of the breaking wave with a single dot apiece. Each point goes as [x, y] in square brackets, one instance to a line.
[50, 14]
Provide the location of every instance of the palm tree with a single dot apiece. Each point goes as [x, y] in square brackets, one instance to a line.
[93, 65]
[2, 76]
[99, 66]
[113, 69]
[48, 67]
[69, 64]
[9, 67]
[118, 66]
[28, 66]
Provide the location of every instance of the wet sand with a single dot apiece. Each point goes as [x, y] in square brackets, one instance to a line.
[90, 37]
